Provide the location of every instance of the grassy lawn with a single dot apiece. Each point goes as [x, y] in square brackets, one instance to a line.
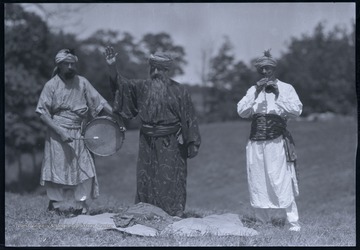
[216, 184]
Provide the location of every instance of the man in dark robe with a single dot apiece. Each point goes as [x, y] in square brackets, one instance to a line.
[169, 132]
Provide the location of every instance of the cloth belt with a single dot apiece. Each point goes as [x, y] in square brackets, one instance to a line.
[160, 130]
[68, 120]
[270, 126]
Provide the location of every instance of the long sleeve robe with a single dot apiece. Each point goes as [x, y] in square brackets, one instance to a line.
[68, 105]
[162, 161]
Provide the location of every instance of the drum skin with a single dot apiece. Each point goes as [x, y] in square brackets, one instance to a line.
[103, 136]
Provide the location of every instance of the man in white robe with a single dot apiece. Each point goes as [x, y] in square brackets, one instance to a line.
[271, 174]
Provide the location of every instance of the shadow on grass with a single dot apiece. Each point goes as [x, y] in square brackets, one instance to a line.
[252, 222]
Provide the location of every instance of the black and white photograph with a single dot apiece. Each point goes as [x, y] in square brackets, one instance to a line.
[180, 124]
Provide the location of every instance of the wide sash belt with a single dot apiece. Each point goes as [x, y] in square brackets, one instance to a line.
[270, 126]
[160, 130]
[266, 127]
[68, 120]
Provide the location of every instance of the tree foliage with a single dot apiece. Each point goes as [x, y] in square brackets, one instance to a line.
[25, 70]
[162, 42]
[321, 67]
[26, 48]
[229, 81]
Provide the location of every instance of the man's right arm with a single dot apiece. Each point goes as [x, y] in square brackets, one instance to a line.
[57, 129]
[43, 109]
[244, 106]
[112, 79]
[124, 90]
[113, 72]
[110, 57]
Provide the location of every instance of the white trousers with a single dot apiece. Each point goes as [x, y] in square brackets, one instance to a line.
[292, 216]
[271, 179]
[66, 196]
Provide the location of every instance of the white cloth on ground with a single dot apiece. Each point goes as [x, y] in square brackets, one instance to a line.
[219, 225]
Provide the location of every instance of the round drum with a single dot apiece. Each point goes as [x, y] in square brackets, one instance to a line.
[103, 136]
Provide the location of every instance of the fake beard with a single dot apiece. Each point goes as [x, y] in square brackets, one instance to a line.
[157, 96]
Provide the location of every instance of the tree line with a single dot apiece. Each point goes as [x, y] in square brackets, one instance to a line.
[320, 66]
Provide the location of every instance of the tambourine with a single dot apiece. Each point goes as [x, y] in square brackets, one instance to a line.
[103, 136]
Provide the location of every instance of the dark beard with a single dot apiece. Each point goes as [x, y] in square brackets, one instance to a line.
[70, 74]
[156, 99]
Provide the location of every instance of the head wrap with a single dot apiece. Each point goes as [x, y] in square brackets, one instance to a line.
[65, 54]
[265, 60]
[161, 61]
[62, 55]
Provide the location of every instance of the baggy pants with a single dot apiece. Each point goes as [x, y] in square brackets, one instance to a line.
[292, 216]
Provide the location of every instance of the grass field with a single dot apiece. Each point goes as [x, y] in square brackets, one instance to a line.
[216, 184]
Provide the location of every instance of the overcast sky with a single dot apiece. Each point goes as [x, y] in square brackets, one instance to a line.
[251, 27]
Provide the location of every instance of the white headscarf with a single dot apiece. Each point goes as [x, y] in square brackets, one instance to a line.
[161, 60]
[62, 55]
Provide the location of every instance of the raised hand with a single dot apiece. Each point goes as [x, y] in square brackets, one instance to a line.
[110, 55]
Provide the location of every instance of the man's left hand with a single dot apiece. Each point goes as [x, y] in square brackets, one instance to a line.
[119, 121]
[192, 150]
[275, 88]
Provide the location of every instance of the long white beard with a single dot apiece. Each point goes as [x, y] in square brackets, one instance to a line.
[157, 97]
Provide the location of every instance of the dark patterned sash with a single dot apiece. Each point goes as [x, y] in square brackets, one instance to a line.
[266, 127]
[270, 126]
[160, 130]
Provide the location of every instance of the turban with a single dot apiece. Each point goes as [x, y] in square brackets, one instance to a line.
[62, 55]
[161, 61]
[265, 60]
[65, 54]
